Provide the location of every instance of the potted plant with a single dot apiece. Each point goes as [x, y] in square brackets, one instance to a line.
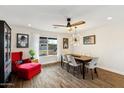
[32, 53]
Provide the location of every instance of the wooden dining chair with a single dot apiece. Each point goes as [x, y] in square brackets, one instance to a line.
[92, 66]
[74, 64]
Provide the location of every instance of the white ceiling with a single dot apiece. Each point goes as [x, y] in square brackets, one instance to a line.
[43, 17]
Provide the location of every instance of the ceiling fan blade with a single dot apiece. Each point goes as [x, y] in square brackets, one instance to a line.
[78, 23]
[60, 25]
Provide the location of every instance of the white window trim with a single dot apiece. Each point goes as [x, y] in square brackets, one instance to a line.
[47, 47]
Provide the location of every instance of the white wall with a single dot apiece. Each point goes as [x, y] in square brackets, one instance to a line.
[109, 46]
[22, 30]
[34, 43]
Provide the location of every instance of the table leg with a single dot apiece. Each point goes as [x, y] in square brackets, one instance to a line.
[61, 61]
[83, 70]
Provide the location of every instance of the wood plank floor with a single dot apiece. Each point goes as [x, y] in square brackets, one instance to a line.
[55, 77]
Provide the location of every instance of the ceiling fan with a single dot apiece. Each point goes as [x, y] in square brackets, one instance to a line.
[69, 25]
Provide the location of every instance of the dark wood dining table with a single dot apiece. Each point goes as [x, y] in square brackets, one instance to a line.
[83, 60]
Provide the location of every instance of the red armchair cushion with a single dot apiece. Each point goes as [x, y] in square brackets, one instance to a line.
[28, 70]
[26, 60]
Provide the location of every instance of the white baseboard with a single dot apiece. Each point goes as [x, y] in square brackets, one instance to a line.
[112, 70]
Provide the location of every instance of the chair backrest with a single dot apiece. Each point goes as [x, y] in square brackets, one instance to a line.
[73, 61]
[16, 56]
[68, 58]
[94, 61]
[64, 58]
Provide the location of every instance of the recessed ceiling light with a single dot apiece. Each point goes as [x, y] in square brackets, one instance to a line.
[109, 18]
[29, 25]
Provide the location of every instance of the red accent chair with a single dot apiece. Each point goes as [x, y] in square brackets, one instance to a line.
[25, 70]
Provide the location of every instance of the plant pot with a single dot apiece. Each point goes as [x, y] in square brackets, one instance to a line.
[32, 57]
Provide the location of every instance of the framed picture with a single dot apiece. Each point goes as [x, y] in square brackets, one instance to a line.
[65, 43]
[88, 40]
[22, 40]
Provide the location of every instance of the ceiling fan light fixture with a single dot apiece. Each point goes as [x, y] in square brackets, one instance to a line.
[29, 25]
[68, 24]
[69, 28]
[75, 39]
[109, 18]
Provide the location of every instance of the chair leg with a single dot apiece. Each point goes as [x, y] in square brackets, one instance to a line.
[68, 67]
[62, 64]
[96, 72]
[87, 70]
[91, 73]
[73, 70]
[80, 70]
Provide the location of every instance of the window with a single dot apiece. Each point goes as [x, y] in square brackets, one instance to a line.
[43, 46]
[52, 46]
[48, 46]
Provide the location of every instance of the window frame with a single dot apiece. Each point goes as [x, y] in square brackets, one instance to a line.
[47, 45]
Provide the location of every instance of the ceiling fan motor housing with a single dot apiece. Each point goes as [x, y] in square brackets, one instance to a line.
[68, 24]
[68, 19]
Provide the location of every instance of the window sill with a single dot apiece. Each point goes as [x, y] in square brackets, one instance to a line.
[48, 55]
